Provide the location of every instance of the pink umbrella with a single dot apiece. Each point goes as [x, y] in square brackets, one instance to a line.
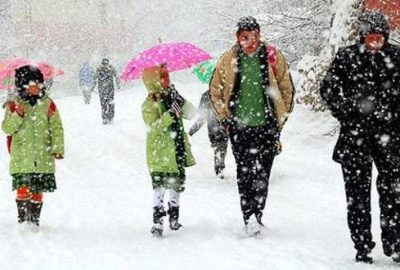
[8, 67]
[176, 56]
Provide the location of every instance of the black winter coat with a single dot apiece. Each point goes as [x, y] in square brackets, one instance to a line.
[216, 132]
[362, 90]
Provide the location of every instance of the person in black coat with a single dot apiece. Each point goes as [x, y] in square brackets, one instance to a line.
[104, 77]
[362, 90]
[216, 132]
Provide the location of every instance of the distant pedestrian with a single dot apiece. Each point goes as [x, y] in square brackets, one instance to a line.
[104, 77]
[86, 77]
[217, 134]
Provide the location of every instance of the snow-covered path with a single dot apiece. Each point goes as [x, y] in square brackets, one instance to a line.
[101, 214]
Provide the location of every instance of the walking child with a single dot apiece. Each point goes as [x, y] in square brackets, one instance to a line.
[35, 135]
[168, 148]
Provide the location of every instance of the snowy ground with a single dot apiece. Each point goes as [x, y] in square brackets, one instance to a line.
[101, 214]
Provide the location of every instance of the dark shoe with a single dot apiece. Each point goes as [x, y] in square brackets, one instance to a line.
[396, 257]
[219, 171]
[387, 250]
[253, 228]
[22, 207]
[364, 257]
[158, 214]
[173, 212]
[157, 230]
[35, 209]
[259, 219]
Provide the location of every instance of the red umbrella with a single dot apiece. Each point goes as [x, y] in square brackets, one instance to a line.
[8, 67]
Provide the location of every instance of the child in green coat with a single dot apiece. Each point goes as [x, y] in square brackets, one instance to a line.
[167, 147]
[33, 125]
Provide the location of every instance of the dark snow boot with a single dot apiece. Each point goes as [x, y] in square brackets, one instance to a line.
[387, 250]
[259, 215]
[22, 207]
[158, 214]
[396, 257]
[34, 211]
[219, 172]
[364, 257]
[173, 212]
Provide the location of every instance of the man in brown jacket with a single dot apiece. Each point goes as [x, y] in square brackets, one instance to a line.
[252, 94]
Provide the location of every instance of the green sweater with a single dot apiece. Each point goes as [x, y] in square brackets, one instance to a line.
[250, 109]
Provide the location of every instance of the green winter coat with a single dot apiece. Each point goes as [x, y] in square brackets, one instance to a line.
[160, 144]
[35, 137]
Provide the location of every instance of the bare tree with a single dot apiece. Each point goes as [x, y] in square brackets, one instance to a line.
[312, 68]
[297, 27]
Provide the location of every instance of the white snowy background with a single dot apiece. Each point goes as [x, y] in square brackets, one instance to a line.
[101, 213]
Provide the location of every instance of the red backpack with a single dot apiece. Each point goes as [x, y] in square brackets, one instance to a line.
[12, 106]
[272, 57]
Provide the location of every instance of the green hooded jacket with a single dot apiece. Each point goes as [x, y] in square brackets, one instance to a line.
[160, 143]
[36, 136]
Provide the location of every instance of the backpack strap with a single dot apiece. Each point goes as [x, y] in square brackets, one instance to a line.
[52, 110]
[272, 57]
[12, 106]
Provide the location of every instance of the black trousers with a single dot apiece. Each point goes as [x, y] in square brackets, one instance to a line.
[254, 151]
[357, 177]
[107, 103]
[219, 155]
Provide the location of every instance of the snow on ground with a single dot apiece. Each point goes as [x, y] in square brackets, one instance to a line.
[101, 214]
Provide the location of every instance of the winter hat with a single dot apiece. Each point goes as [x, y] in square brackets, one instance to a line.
[152, 79]
[374, 22]
[26, 74]
[248, 23]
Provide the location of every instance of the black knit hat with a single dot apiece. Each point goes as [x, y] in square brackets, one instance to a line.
[248, 23]
[26, 74]
[374, 22]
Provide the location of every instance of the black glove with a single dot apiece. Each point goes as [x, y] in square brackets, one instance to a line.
[191, 132]
[176, 97]
[173, 101]
[227, 123]
[175, 109]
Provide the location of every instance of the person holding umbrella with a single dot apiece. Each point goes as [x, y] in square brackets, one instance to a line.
[168, 148]
[33, 125]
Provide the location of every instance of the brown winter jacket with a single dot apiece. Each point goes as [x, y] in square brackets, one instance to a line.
[280, 88]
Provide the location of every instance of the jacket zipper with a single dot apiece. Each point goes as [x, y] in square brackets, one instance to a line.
[33, 139]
